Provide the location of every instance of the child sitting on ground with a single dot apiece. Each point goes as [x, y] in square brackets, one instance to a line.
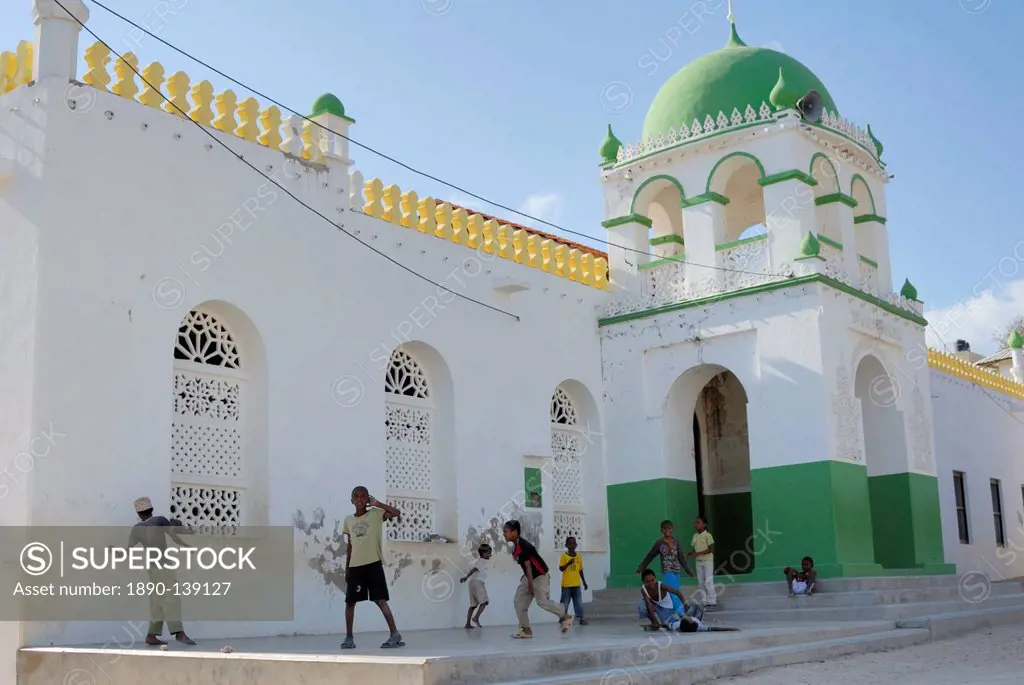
[801, 582]
[656, 606]
[477, 577]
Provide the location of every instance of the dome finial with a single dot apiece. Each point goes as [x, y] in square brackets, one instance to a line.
[734, 38]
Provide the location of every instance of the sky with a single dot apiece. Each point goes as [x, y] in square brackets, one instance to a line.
[510, 101]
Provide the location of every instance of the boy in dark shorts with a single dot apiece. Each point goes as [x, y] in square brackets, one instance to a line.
[364, 564]
[535, 584]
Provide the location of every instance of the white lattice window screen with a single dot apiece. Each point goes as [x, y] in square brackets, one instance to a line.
[567, 449]
[409, 448]
[569, 524]
[207, 446]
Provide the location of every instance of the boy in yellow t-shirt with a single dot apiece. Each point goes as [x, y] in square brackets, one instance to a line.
[704, 551]
[571, 566]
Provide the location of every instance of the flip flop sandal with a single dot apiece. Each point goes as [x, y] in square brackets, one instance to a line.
[522, 636]
[392, 643]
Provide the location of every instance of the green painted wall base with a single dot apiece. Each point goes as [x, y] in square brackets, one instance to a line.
[635, 513]
[851, 525]
[819, 509]
[905, 520]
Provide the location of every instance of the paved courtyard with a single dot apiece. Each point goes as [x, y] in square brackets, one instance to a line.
[985, 657]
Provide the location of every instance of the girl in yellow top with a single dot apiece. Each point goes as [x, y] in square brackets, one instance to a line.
[704, 551]
[571, 566]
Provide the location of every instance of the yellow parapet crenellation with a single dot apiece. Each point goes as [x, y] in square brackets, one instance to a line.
[23, 58]
[374, 190]
[410, 207]
[295, 135]
[124, 70]
[270, 119]
[311, 150]
[460, 225]
[443, 214]
[248, 111]
[428, 216]
[202, 103]
[392, 205]
[225, 103]
[965, 370]
[8, 71]
[153, 78]
[96, 57]
[474, 231]
[515, 243]
[177, 94]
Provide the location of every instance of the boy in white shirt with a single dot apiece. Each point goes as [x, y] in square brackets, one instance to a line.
[477, 578]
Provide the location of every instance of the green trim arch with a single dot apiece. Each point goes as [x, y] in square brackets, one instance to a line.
[871, 196]
[835, 172]
[660, 177]
[711, 175]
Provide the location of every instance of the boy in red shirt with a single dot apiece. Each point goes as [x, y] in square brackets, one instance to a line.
[535, 584]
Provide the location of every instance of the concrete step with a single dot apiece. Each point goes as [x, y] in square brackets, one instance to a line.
[958, 623]
[807, 609]
[732, 602]
[622, 655]
[699, 669]
[728, 587]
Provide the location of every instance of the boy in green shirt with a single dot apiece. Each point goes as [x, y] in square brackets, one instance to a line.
[364, 563]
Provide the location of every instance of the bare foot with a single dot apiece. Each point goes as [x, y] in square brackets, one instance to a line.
[477, 622]
[468, 626]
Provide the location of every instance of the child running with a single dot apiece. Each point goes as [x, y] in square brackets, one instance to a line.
[477, 576]
[672, 561]
[801, 582]
[535, 584]
[364, 566]
[656, 606]
[704, 551]
[571, 566]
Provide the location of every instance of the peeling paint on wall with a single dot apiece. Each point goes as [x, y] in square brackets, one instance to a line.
[400, 562]
[326, 550]
[493, 532]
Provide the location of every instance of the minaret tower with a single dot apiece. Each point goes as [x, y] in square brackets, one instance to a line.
[755, 353]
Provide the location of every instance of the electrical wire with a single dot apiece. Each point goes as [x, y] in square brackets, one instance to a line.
[398, 161]
[283, 189]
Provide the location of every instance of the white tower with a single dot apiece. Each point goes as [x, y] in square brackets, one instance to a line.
[753, 332]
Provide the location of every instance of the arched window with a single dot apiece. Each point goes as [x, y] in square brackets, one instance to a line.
[208, 475]
[567, 449]
[409, 448]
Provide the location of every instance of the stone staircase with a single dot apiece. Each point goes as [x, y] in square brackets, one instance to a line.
[939, 603]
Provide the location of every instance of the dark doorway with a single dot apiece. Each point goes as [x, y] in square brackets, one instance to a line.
[698, 458]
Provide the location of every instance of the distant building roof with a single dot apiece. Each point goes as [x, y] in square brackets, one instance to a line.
[997, 357]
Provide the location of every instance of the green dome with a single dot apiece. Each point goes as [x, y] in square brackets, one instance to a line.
[733, 77]
[328, 104]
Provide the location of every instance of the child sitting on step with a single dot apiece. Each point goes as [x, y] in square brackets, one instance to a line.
[657, 607]
[801, 582]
